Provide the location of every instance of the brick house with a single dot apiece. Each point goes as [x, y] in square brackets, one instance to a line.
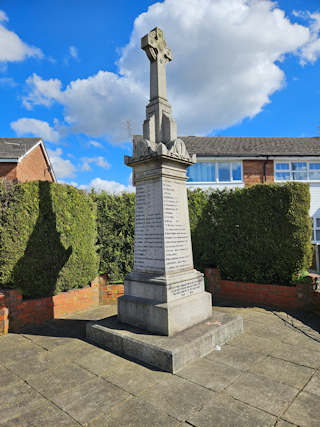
[25, 159]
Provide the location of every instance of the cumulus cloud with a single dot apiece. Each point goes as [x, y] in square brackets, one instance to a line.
[62, 168]
[95, 144]
[310, 52]
[99, 161]
[99, 184]
[7, 82]
[12, 48]
[225, 68]
[73, 51]
[35, 127]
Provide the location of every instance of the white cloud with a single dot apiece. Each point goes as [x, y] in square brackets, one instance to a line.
[95, 144]
[310, 52]
[42, 92]
[62, 168]
[225, 68]
[7, 82]
[12, 48]
[99, 184]
[73, 51]
[38, 128]
[99, 161]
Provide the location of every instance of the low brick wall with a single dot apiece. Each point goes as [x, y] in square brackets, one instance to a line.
[291, 298]
[111, 292]
[16, 313]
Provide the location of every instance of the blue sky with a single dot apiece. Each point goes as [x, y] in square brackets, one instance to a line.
[73, 73]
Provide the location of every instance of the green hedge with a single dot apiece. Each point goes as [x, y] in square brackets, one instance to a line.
[261, 233]
[47, 238]
[115, 223]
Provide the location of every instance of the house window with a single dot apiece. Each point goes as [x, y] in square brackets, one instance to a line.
[215, 172]
[315, 229]
[297, 171]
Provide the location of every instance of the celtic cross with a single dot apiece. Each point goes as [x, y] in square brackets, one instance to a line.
[159, 55]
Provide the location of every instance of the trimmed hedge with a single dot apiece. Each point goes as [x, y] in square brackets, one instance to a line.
[261, 233]
[115, 223]
[47, 238]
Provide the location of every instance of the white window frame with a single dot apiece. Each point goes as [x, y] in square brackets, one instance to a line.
[291, 171]
[216, 162]
[314, 229]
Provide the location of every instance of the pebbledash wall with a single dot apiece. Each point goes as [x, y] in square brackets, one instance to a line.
[287, 298]
[16, 313]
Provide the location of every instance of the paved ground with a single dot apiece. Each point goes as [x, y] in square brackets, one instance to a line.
[50, 376]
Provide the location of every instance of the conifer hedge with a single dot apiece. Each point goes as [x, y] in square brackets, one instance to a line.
[115, 223]
[47, 238]
[258, 234]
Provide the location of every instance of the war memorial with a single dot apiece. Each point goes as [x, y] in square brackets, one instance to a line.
[166, 318]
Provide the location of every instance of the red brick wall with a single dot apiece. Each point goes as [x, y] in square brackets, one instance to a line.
[34, 311]
[4, 324]
[253, 172]
[34, 167]
[291, 298]
[8, 170]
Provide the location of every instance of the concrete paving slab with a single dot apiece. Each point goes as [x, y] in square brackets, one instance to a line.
[134, 378]
[177, 397]
[302, 340]
[314, 384]
[302, 356]
[85, 401]
[262, 392]
[210, 374]
[22, 350]
[58, 379]
[304, 411]
[236, 357]
[282, 423]
[15, 400]
[283, 371]
[99, 361]
[169, 353]
[8, 378]
[228, 412]
[47, 342]
[38, 415]
[255, 344]
[135, 412]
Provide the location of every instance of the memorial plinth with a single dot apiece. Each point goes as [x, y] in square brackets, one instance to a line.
[164, 295]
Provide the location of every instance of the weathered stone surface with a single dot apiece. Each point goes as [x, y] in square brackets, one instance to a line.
[213, 375]
[226, 411]
[237, 357]
[304, 411]
[43, 414]
[283, 371]
[178, 398]
[314, 385]
[262, 392]
[167, 353]
[55, 381]
[135, 412]
[88, 399]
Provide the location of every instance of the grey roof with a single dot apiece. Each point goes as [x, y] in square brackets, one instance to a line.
[230, 146]
[252, 146]
[14, 148]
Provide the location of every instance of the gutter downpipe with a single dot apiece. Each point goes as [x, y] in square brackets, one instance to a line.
[265, 169]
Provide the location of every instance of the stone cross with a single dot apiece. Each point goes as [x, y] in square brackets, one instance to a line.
[159, 127]
[159, 55]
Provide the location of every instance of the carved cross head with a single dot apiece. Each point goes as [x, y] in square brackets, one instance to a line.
[156, 47]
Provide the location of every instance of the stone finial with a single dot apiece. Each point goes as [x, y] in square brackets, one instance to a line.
[159, 128]
[156, 47]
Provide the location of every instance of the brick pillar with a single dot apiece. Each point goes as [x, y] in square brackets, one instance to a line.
[213, 280]
[4, 313]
